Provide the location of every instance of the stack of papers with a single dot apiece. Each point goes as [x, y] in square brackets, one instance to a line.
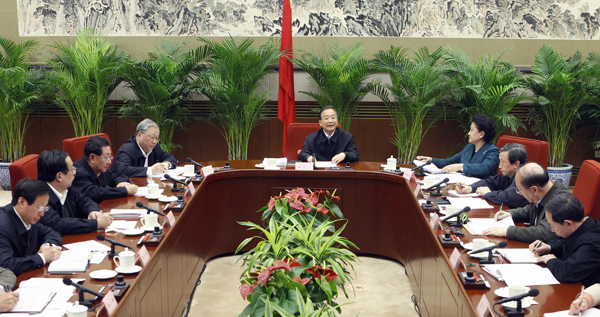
[70, 261]
[452, 192]
[324, 164]
[476, 226]
[87, 246]
[590, 312]
[119, 225]
[520, 255]
[35, 291]
[521, 274]
[33, 300]
[474, 203]
[143, 191]
[431, 168]
[129, 213]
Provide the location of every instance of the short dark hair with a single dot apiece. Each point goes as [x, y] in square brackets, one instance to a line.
[325, 108]
[565, 206]
[94, 145]
[534, 179]
[485, 124]
[30, 190]
[516, 152]
[50, 163]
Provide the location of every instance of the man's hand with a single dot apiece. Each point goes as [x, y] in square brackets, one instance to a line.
[8, 301]
[462, 188]
[131, 188]
[160, 168]
[50, 253]
[540, 249]
[309, 159]
[585, 304]
[546, 258]
[501, 215]
[338, 158]
[104, 220]
[483, 190]
[495, 232]
[424, 158]
[452, 168]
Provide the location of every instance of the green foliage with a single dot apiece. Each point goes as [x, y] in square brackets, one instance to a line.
[419, 87]
[562, 86]
[339, 79]
[490, 87]
[163, 85]
[19, 88]
[86, 73]
[231, 84]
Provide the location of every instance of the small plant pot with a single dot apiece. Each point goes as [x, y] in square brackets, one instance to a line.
[561, 174]
[4, 176]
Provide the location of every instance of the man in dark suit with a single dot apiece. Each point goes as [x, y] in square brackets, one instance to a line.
[330, 143]
[93, 178]
[141, 155]
[26, 244]
[70, 211]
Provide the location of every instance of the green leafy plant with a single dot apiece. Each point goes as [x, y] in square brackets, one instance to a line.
[164, 84]
[19, 88]
[231, 83]
[490, 87]
[339, 77]
[419, 86]
[86, 73]
[562, 87]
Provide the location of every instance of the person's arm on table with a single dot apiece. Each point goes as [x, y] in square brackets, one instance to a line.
[306, 152]
[591, 296]
[541, 231]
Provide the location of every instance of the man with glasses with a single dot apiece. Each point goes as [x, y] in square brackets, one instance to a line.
[330, 143]
[71, 212]
[534, 184]
[26, 244]
[93, 178]
[141, 155]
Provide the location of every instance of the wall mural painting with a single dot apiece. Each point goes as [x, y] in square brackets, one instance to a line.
[533, 19]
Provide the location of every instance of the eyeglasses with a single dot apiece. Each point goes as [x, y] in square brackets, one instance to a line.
[329, 118]
[152, 138]
[107, 158]
[70, 170]
[42, 208]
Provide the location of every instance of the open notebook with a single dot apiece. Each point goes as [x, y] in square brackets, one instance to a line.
[32, 300]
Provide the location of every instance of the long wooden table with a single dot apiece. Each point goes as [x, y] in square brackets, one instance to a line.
[384, 219]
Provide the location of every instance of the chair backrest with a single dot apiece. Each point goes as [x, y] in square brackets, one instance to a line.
[21, 168]
[587, 188]
[75, 146]
[537, 150]
[296, 135]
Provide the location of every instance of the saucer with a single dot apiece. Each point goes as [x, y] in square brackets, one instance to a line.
[133, 232]
[136, 268]
[503, 291]
[525, 303]
[150, 228]
[167, 199]
[188, 175]
[103, 274]
[153, 197]
[481, 255]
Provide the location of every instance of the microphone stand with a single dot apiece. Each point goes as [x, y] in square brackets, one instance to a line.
[490, 260]
[174, 188]
[436, 193]
[86, 302]
[421, 173]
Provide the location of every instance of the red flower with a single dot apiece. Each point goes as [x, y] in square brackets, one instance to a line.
[306, 210]
[264, 276]
[317, 271]
[303, 281]
[272, 202]
[279, 264]
[313, 198]
[298, 205]
[323, 209]
[246, 289]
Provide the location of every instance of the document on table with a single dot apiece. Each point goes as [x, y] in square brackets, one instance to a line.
[431, 168]
[518, 255]
[59, 303]
[590, 312]
[128, 213]
[452, 192]
[324, 164]
[70, 261]
[33, 300]
[118, 225]
[173, 172]
[143, 190]
[459, 177]
[521, 274]
[478, 225]
[87, 246]
[474, 203]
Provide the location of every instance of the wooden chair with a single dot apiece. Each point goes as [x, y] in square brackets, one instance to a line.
[21, 168]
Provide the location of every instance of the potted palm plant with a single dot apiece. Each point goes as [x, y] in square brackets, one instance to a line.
[339, 78]
[490, 87]
[86, 74]
[231, 83]
[561, 88]
[19, 88]
[418, 86]
[164, 84]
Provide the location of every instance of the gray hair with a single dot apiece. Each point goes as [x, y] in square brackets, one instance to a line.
[516, 152]
[144, 125]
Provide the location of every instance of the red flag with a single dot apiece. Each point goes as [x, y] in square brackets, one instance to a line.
[286, 101]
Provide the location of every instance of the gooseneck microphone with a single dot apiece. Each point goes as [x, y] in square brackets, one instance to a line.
[421, 173]
[196, 164]
[532, 292]
[82, 290]
[175, 181]
[489, 250]
[139, 204]
[459, 221]
[437, 185]
[518, 310]
[112, 244]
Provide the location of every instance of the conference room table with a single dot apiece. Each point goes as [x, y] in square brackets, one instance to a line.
[384, 219]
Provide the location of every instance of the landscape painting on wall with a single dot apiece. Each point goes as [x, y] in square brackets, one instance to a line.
[531, 19]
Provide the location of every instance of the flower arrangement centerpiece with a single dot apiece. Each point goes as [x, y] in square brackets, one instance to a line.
[300, 262]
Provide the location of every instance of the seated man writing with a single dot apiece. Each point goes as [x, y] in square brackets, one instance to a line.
[70, 211]
[575, 256]
[93, 178]
[534, 184]
[330, 143]
[141, 155]
[26, 244]
[501, 189]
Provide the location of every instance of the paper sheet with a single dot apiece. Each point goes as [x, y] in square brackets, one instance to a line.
[87, 246]
[591, 312]
[518, 255]
[522, 274]
[143, 191]
[452, 192]
[478, 225]
[474, 203]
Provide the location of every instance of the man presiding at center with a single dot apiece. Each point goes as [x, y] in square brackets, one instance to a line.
[141, 155]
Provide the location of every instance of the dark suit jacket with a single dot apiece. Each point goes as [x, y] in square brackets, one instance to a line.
[482, 164]
[18, 247]
[318, 144]
[578, 256]
[72, 217]
[130, 160]
[87, 183]
[503, 191]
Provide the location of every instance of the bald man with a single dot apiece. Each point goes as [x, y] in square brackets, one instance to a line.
[534, 184]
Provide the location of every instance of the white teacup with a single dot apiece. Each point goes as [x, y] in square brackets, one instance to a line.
[480, 243]
[77, 310]
[149, 221]
[188, 169]
[270, 163]
[153, 190]
[391, 163]
[514, 290]
[428, 181]
[450, 209]
[126, 261]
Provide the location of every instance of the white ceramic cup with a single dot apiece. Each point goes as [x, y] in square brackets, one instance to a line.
[480, 243]
[270, 163]
[188, 169]
[514, 290]
[450, 209]
[391, 163]
[428, 181]
[77, 310]
[149, 221]
[153, 190]
[126, 261]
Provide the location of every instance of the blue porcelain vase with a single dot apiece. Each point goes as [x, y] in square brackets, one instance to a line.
[561, 174]
[4, 176]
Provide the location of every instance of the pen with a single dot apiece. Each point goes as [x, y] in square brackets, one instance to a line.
[536, 246]
[580, 300]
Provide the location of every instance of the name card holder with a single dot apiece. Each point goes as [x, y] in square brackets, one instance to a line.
[304, 166]
[107, 306]
[207, 170]
[409, 175]
[169, 220]
[142, 257]
[484, 308]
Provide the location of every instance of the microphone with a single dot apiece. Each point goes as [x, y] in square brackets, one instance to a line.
[421, 166]
[82, 290]
[466, 209]
[175, 181]
[438, 184]
[112, 244]
[502, 244]
[189, 159]
[532, 292]
[139, 204]
[314, 156]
